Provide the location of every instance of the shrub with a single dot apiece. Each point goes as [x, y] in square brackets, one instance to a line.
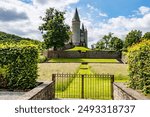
[139, 66]
[42, 59]
[124, 57]
[3, 81]
[21, 62]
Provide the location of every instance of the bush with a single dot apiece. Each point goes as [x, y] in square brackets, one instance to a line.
[139, 66]
[42, 59]
[124, 57]
[21, 62]
[3, 81]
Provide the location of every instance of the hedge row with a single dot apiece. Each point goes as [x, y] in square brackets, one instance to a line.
[20, 64]
[139, 66]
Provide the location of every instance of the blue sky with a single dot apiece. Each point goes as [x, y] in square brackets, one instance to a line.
[100, 17]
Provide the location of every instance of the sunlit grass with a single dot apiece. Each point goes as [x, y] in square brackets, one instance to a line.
[45, 70]
[94, 88]
[78, 48]
[120, 71]
[80, 60]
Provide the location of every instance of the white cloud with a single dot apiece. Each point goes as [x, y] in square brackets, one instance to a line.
[144, 10]
[28, 26]
[92, 8]
[95, 10]
[103, 14]
[59, 4]
[120, 26]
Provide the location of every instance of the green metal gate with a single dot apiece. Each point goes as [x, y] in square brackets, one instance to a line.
[84, 86]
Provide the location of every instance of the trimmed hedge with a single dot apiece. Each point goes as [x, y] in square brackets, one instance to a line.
[139, 66]
[21, 63]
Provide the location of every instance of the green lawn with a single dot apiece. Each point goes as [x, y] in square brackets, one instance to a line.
[120, 71]
[45, 70]
[79, 60]
[78, 48]
[94, 88]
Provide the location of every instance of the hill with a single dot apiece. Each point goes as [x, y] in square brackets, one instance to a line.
[5, 37]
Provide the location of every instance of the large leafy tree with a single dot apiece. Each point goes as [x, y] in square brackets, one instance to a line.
[116, 44]
[146, 36]
[100, 45]
[106, 39]
[109, 42]
[132, 37]
[55, 31]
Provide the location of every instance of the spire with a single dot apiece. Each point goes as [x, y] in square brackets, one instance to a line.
[82, 27]
[76, 16]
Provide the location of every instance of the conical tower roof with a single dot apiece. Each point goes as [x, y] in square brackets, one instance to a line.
[83, 27]
[76, 16]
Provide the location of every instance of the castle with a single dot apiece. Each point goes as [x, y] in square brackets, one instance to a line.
[79, 36]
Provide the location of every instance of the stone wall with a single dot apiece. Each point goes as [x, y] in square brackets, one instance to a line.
[45, 91]
[121, 92]
[45, 53]
[88, 54]
[124, 58]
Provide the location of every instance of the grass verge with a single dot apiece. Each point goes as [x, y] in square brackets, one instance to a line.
[79, 60]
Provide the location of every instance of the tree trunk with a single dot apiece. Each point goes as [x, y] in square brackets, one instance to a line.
[55, 49]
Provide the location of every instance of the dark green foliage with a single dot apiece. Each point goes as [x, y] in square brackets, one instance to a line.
[100, 45]
[21, 62]
[3, 81]
[139, 66]
[146, 36]
[132, 37]
[106, 39]
[55, 31]
[109, 42]
[11, 38]
[116, 44]
[42, 59]
[104, 43]
[7, 37]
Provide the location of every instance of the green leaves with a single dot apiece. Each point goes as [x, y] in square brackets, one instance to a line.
[132, 37]
[55, 31]
[139, 66]
[109, 42]
[116, 44]
[21, 62]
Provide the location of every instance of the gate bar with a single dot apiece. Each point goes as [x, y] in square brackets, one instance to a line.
[112, 88]
[82, 91]
[54, 79]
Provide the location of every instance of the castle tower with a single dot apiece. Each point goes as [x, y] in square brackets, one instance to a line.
[82, 36]
[76, 29]
[86, 37]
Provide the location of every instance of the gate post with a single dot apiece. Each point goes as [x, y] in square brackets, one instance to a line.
[82, 91]
[112, 88]
[54, 83]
